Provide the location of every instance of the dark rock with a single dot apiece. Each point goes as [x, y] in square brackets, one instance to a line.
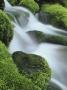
[2, 4]
[41, 38]
[40, 2]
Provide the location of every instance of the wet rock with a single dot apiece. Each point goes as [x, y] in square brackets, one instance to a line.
[10, 78]
[41, 38]
[33, 67]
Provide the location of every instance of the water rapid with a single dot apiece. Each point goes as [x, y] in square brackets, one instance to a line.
[56, 55]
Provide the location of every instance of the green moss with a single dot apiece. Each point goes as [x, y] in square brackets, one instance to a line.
[41, 37]
[10, 78]
[31, 4]
[3, 85]
[57, 15]
[33, 67]
[6, 28]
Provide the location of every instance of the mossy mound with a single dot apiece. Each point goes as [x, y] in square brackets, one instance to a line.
[10, 78]
[6, 28]
[33, 67]
[30, 4]
[41, 38]
[56, 15]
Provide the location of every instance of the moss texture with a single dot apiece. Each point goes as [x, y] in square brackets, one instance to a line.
[30, 4]
[10, 78]
[33, 67]
[57, 15]
[6, 28]
[41, 37]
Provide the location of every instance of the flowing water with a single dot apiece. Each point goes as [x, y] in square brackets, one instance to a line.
[56, 55]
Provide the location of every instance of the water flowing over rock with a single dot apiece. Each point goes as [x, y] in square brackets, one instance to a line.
[56, 55]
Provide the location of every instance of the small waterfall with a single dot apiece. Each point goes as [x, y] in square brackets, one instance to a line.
[29, 18]
[7, 4]
[25, 21]
[21, 41]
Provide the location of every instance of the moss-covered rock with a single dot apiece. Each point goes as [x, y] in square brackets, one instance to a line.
[30, 4]
[33, 67]
[10, 78]
[6, 28]
[41, 37]
[56, 15]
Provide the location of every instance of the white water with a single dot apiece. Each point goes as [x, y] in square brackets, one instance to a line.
[56, 56]
[30, 18]
[21, 41]
[25, 21]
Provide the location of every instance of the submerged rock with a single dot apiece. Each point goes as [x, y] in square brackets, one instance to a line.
[41, 38]
[33, 67]
[6, 28]
[53, 86]
[56, 15]
[10, 78]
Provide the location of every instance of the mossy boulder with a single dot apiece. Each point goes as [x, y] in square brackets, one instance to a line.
[6, 28]
[30, 4]
[41, 38]
[56, 15]
[10, 78]
[33, 67]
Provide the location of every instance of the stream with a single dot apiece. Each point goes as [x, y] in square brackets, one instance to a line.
[56, 55]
